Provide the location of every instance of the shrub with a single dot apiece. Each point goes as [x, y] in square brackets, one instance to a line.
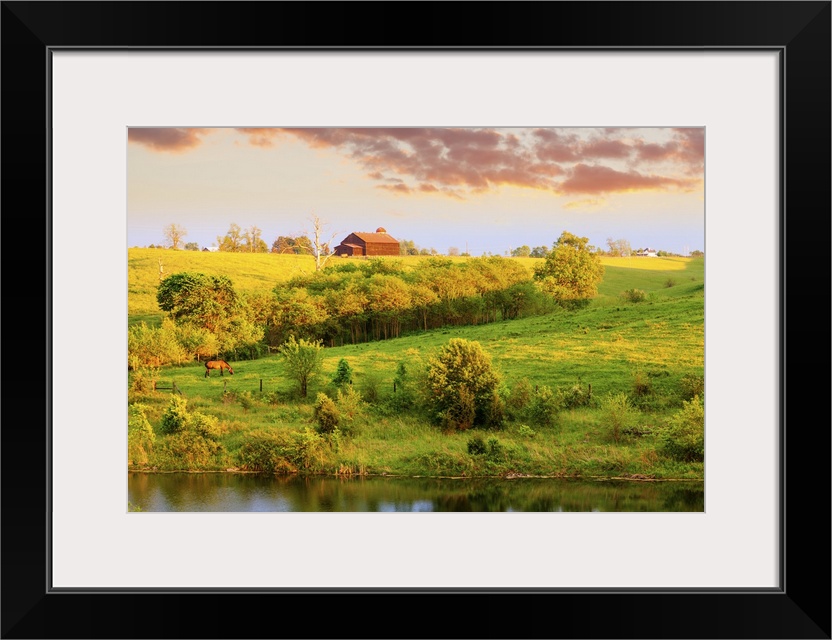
[462, 385]
[634, 295]
[350, 408]
[670, 282]
[476, 445]
[307, 447]
[544, 407]
[343, 373]
[143, 378]
[692, 385]
[186, 450]
[617, 414]
[266, 452]
[206, 426]
[642, 387]
[684, 436]
[140, 436]
[175, 416]
[371, 387]
[494, 412]
[494, 449]
[326, 414]
[574, 396]
[246, 399]
[403, 397]
[518, 398]
[525, 431]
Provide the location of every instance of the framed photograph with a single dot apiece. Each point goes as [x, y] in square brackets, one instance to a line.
[97, 94]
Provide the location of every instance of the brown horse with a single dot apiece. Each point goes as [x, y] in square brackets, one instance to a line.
[217, 364]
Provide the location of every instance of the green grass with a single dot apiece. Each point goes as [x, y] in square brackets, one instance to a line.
[611, 345]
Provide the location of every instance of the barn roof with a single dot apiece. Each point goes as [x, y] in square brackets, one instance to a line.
[375, 237]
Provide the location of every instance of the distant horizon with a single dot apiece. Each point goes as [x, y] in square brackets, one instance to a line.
[480, 190]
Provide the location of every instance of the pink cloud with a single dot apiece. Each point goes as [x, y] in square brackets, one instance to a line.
[459, 161]
[171, 139]
[588, 179]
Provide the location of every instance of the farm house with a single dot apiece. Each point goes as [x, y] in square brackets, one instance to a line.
[362, 243]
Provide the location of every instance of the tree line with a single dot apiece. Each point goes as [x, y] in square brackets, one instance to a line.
[353, 302]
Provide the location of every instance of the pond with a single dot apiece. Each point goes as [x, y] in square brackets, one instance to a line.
[230, 492]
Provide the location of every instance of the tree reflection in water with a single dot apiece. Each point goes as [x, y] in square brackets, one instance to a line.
[226, 492]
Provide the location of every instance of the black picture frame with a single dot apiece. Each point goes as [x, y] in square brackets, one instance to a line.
[799, 608]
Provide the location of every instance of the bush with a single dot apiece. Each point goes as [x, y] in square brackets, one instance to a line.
[186, 450]
[525, 431]
[642, 387]
[403, 397]
[206, 426]
[476, 445]
[462, 385]
[265, 452]
[692, 385]
[574, 396]
[326, 414]
[518, 399]
[350, 408]
[246, 399]
[143, 378]
[343, 373]
[544, 407]
[670, 282]
[618, 414]
[140, 436]
[307, 447]
[684, 436]
[175, 416]
[634, 295]
[371, 387]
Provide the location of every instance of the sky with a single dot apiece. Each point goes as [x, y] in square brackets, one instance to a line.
[479, 190]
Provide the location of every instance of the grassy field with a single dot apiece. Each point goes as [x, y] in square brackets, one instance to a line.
[647, 351]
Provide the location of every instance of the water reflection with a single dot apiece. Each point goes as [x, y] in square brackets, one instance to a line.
[220, 492]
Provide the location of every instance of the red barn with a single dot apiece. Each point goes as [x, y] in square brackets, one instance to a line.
[361, 243]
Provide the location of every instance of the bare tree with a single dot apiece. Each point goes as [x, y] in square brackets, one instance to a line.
[174, 234]
[320, 247]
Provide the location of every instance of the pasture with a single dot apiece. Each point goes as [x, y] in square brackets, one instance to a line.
[647, 351]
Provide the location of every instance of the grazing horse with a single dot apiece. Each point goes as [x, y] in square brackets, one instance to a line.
[217, 364]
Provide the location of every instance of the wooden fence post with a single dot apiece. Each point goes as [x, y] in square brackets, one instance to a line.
[261, 385]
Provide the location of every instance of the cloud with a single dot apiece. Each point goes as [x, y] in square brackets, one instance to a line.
[170, 139]
[260, 136]
[586, 203]
[466, 161]
[592, 179]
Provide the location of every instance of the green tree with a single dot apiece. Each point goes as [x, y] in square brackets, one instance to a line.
[571, 272]
[303, 360]
[343, 373]
[521, 252]
[462, 385]
[207, 301]
[539, 252]
[192, 246]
